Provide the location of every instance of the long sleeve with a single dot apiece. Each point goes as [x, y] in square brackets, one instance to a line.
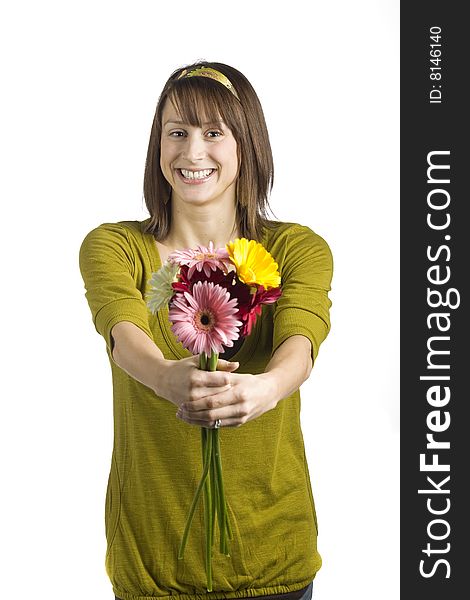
[107, 267]
[306, 274]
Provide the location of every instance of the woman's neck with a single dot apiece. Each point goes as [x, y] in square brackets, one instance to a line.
[199, 227]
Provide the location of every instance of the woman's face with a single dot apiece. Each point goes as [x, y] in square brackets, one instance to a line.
[200, 164]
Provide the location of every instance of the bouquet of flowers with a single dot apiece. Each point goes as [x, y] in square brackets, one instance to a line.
[214, 297]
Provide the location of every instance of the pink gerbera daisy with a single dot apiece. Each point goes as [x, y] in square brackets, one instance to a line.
[202, 258]
[206, 320]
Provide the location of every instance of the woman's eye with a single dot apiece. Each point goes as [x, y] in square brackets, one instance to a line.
[217, 133]
[176, 133]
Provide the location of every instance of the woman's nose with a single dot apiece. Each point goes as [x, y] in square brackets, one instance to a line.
[194, 147]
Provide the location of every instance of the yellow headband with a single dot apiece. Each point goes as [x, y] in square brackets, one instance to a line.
[212, 74]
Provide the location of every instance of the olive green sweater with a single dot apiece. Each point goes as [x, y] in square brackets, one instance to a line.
[156, 461]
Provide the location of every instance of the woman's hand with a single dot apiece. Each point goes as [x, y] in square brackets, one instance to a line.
[182, 381]
[233, 398]
[236, 398]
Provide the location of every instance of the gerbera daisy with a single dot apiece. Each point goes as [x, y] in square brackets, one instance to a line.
[161, 289]
[185, 284]
[202, 258]
[254, 264]
[249, 312]
[205, 321]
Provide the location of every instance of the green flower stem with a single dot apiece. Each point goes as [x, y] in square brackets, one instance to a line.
[220, 481]
[220, 512]
[216, 495]
[212, 361]
[215, 498]
[229, 529]
[207, 458]
[208, 499]
[203, 444]
[203, 361]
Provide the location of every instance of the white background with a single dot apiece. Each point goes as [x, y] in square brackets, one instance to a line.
[80, 84]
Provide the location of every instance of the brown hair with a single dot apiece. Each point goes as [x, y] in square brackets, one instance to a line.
[200, 98]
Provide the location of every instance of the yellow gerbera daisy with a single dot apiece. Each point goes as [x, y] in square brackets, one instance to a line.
[254, 264]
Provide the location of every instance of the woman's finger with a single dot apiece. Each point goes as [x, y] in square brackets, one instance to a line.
[214, 378]
[206, 418]
[207, 397]
[227, 365]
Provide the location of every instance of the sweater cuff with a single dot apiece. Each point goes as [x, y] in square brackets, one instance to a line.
[295, 321]
[123, 309]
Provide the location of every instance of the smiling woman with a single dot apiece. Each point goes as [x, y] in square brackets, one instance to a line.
[208, 175]
[199, 163]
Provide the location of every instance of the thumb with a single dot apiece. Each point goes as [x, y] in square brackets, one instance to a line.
[226, 365]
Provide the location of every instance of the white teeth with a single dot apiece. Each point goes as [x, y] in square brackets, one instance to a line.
[196, 174]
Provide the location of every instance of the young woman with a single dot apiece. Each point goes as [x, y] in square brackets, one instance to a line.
[208, 174]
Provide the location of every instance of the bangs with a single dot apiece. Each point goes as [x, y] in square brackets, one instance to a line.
[200, 100]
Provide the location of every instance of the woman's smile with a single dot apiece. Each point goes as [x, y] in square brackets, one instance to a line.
[198, 177]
